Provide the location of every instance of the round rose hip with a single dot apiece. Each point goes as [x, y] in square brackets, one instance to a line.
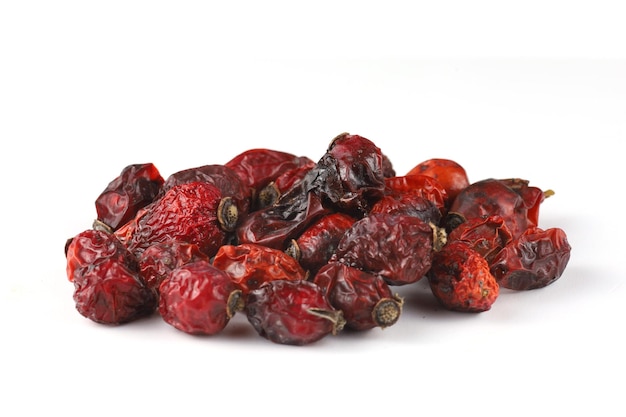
[198, 298]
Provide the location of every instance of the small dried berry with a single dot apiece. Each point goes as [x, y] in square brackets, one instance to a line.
[135, 187]
[158, 260]
[250, 265]
[198, 298]
[292, 312]
[111, 292]
[398, 247]
[365, 299]
[188, 213]
[460, 279]
[450, 174]
[317, 244]
[535, 259]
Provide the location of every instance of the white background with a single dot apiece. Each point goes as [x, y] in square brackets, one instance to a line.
[536, 90]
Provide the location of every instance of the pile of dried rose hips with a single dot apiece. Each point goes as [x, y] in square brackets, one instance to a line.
[304, 249]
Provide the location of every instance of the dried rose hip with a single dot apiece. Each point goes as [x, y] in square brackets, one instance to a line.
[91, 247]
[516, 204]
[258, 167]
[450, 174]
[198, 299]
[398, 247]
[250, 265]
[422, 185]
[412, 204]
[135, 187]
[315, 246]
[486, 235]
[269, 194]
[223, 177]
[192, 212]
[292, 312]
[349, 177]
[535, 259]
[460, 279]
[365, 299]
[158, 260]
[275, 226]
[111, 292]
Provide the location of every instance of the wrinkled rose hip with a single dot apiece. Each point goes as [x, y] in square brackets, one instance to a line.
[198, 298]
[250, 265]
[292, 312]
[365, 299]
[460, 279]
[535, 259]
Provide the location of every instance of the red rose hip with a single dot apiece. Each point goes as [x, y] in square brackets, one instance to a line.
[460, 279]
[198, 299]
[292, 312]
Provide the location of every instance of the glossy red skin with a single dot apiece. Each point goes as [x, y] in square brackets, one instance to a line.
[398, 247]
[350, 175]
[91, 247]
[258, 167]
[135, 187]
[185, 213]
[532, 197]
[353, 291]
[450, 174]
[250, 265]
[409, 203]
[425, 186]
[281, 312]
[111, 292]
[290, 178]
[194, 298]
[460, 279]
[494, 197]
[275, 226]
[318, 242]
[487, 236]
[223, 177]
[158, 260]
[535, 259]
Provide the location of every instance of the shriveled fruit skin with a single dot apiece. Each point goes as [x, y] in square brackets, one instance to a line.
[110, 292]
[460, 279]
[292, 312]
[399, 247]
[317, 244]
[197, 298]
[535, 259]
[186, 213]
[365, 299]
[250, 265]
[158, 260]
[91, 247]
[486, 235]
[136, 187]
[513, 200]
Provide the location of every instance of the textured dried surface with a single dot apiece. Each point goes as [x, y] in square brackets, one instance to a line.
[460, 279]
[292, 312]
[135, 187]
[535, 259]
[365, 299]
[186, 213]
[110, 292]
[195, 298]
[398, 247]
[250, 265]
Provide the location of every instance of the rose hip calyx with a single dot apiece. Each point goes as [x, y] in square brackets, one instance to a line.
[227, 214]
[387, 311]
